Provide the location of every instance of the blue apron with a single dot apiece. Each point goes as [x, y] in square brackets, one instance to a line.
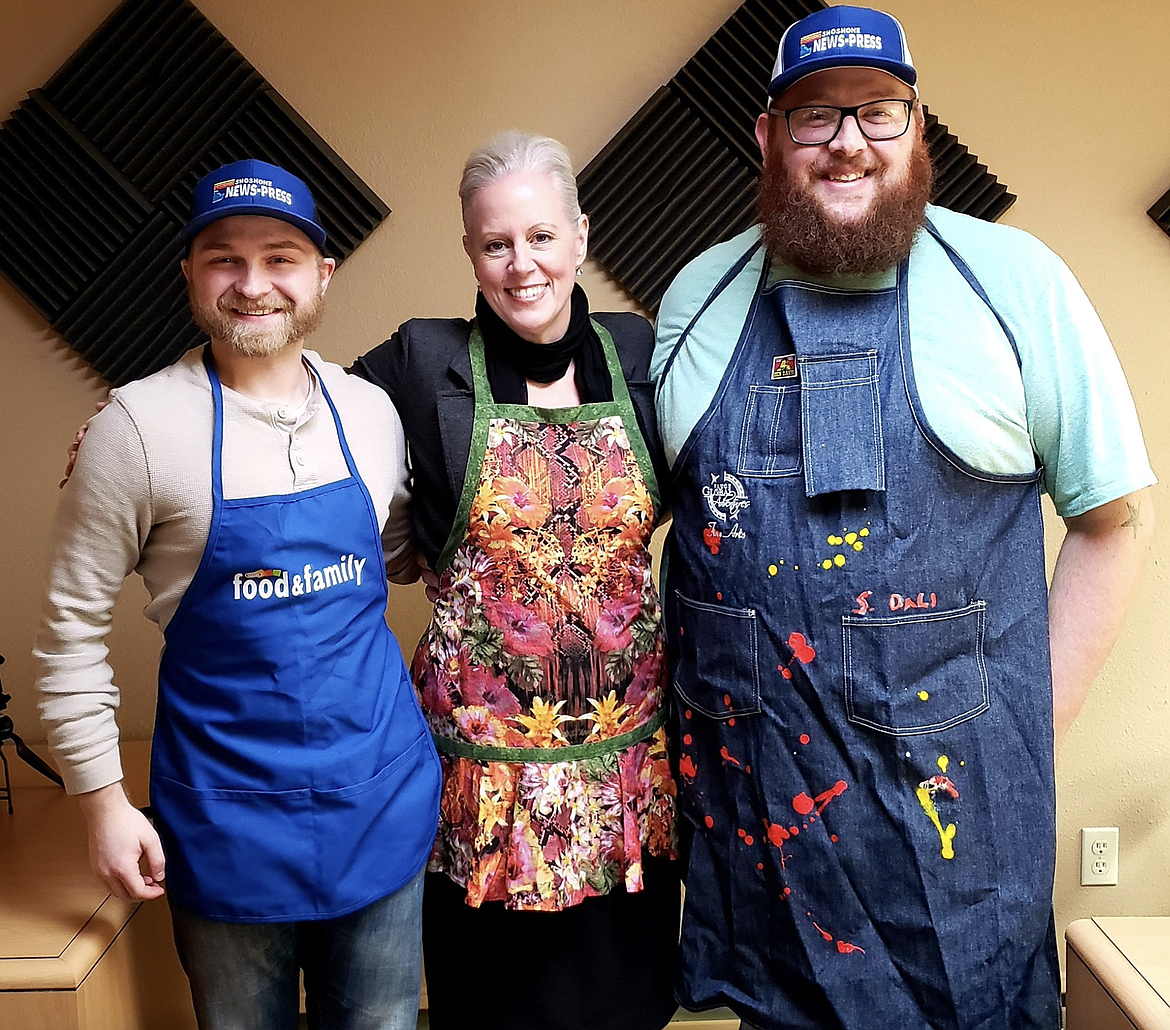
[292, 774]
[857, 625]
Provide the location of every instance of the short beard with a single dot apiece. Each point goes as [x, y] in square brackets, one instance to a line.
[797, 229]
[298, 321]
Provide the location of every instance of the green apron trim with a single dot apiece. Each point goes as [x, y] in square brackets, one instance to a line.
[568, 753]
[486, 409]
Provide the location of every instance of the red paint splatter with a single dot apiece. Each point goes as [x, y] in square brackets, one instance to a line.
[686, 766]
[776, 833]
[727, 700]
[833, 837]
[687, 714]
[728, 757]
[748, 769]
[742, 832]
[835, 791]
[709, 821]
[794, 830]
[787, 891]
[718, 595]
[803, 803]
[688, 739]
[845, 948]
[759, 865]
[827, 936]
[731, 721]
[940, 785]
[804, 738]
[800, 648]
[786, 673]
[749, 840]
[712, 538]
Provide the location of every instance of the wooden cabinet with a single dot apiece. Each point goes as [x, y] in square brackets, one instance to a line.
[71, 956]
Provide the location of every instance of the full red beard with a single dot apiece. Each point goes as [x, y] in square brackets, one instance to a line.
[797, 229]
[297, 322]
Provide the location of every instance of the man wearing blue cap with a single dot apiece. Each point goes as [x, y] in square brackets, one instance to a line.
[261, 494]
[862, 399]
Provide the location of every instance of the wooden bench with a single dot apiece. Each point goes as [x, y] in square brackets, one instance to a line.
[1118, 973]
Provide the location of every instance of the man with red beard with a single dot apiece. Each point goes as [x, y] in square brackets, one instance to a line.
[261, 494]
[862, 399]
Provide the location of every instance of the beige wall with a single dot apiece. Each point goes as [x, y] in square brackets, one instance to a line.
[1071, 114]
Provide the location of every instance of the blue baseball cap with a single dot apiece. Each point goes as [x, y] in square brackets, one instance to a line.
[253, 187]
[842, 37]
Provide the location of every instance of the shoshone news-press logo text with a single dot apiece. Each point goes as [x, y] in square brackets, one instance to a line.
[265, 583]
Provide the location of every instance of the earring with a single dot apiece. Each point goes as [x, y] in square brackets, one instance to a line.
[578, 270]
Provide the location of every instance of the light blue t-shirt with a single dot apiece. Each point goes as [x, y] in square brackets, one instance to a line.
[1065, 404]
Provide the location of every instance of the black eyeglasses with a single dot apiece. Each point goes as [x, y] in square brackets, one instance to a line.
[878, 120]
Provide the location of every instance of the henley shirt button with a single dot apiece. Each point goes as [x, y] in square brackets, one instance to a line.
[282, 412]
[300, 459]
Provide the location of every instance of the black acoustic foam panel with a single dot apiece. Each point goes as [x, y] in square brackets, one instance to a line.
[100, 165]
[1160, 212]
[681, 175]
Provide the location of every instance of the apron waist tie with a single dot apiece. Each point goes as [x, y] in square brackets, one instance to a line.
[566, 753]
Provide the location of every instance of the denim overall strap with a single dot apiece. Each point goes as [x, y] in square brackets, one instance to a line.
[857, 633]
[291, 773]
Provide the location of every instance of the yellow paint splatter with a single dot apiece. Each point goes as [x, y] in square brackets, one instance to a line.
[850, 539]
[864, 532]
[835, 541]
[943, 762]
[839, 560]
[826, 564]
[859, 546]
[923, 696]
[772, 570]
[947, 835]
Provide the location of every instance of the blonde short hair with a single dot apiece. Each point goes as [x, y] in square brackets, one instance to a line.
[513, 151]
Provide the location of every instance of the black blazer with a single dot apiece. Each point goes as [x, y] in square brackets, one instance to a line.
[426, 369]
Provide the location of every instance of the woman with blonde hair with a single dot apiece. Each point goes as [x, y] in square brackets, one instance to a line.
[552, 900]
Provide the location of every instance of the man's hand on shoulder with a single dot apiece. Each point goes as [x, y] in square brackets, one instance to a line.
[124, 850]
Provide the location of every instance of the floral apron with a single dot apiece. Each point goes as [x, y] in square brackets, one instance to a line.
[541, 673]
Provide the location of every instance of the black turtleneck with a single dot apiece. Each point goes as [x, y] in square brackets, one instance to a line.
[512, 361]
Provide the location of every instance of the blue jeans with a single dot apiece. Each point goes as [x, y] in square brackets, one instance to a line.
[362, 971]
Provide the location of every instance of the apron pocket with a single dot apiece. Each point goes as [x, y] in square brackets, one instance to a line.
[915, 673]
[769, 438]
[841, 424]
[244, 853]
[373, 836]
[717, 667]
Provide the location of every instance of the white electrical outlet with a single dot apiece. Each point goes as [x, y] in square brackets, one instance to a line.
[1099, 856]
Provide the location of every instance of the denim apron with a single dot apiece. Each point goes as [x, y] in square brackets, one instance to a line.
[292, 775]
[857, 628]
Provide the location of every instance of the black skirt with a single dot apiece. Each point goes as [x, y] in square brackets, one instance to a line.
[606, 964]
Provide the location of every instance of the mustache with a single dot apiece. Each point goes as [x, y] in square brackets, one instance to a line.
[246, 306]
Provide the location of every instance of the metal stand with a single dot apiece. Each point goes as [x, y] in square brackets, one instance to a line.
[23, 751]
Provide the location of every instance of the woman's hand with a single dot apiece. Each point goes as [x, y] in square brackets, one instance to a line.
[76, 446]
[429, 578]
